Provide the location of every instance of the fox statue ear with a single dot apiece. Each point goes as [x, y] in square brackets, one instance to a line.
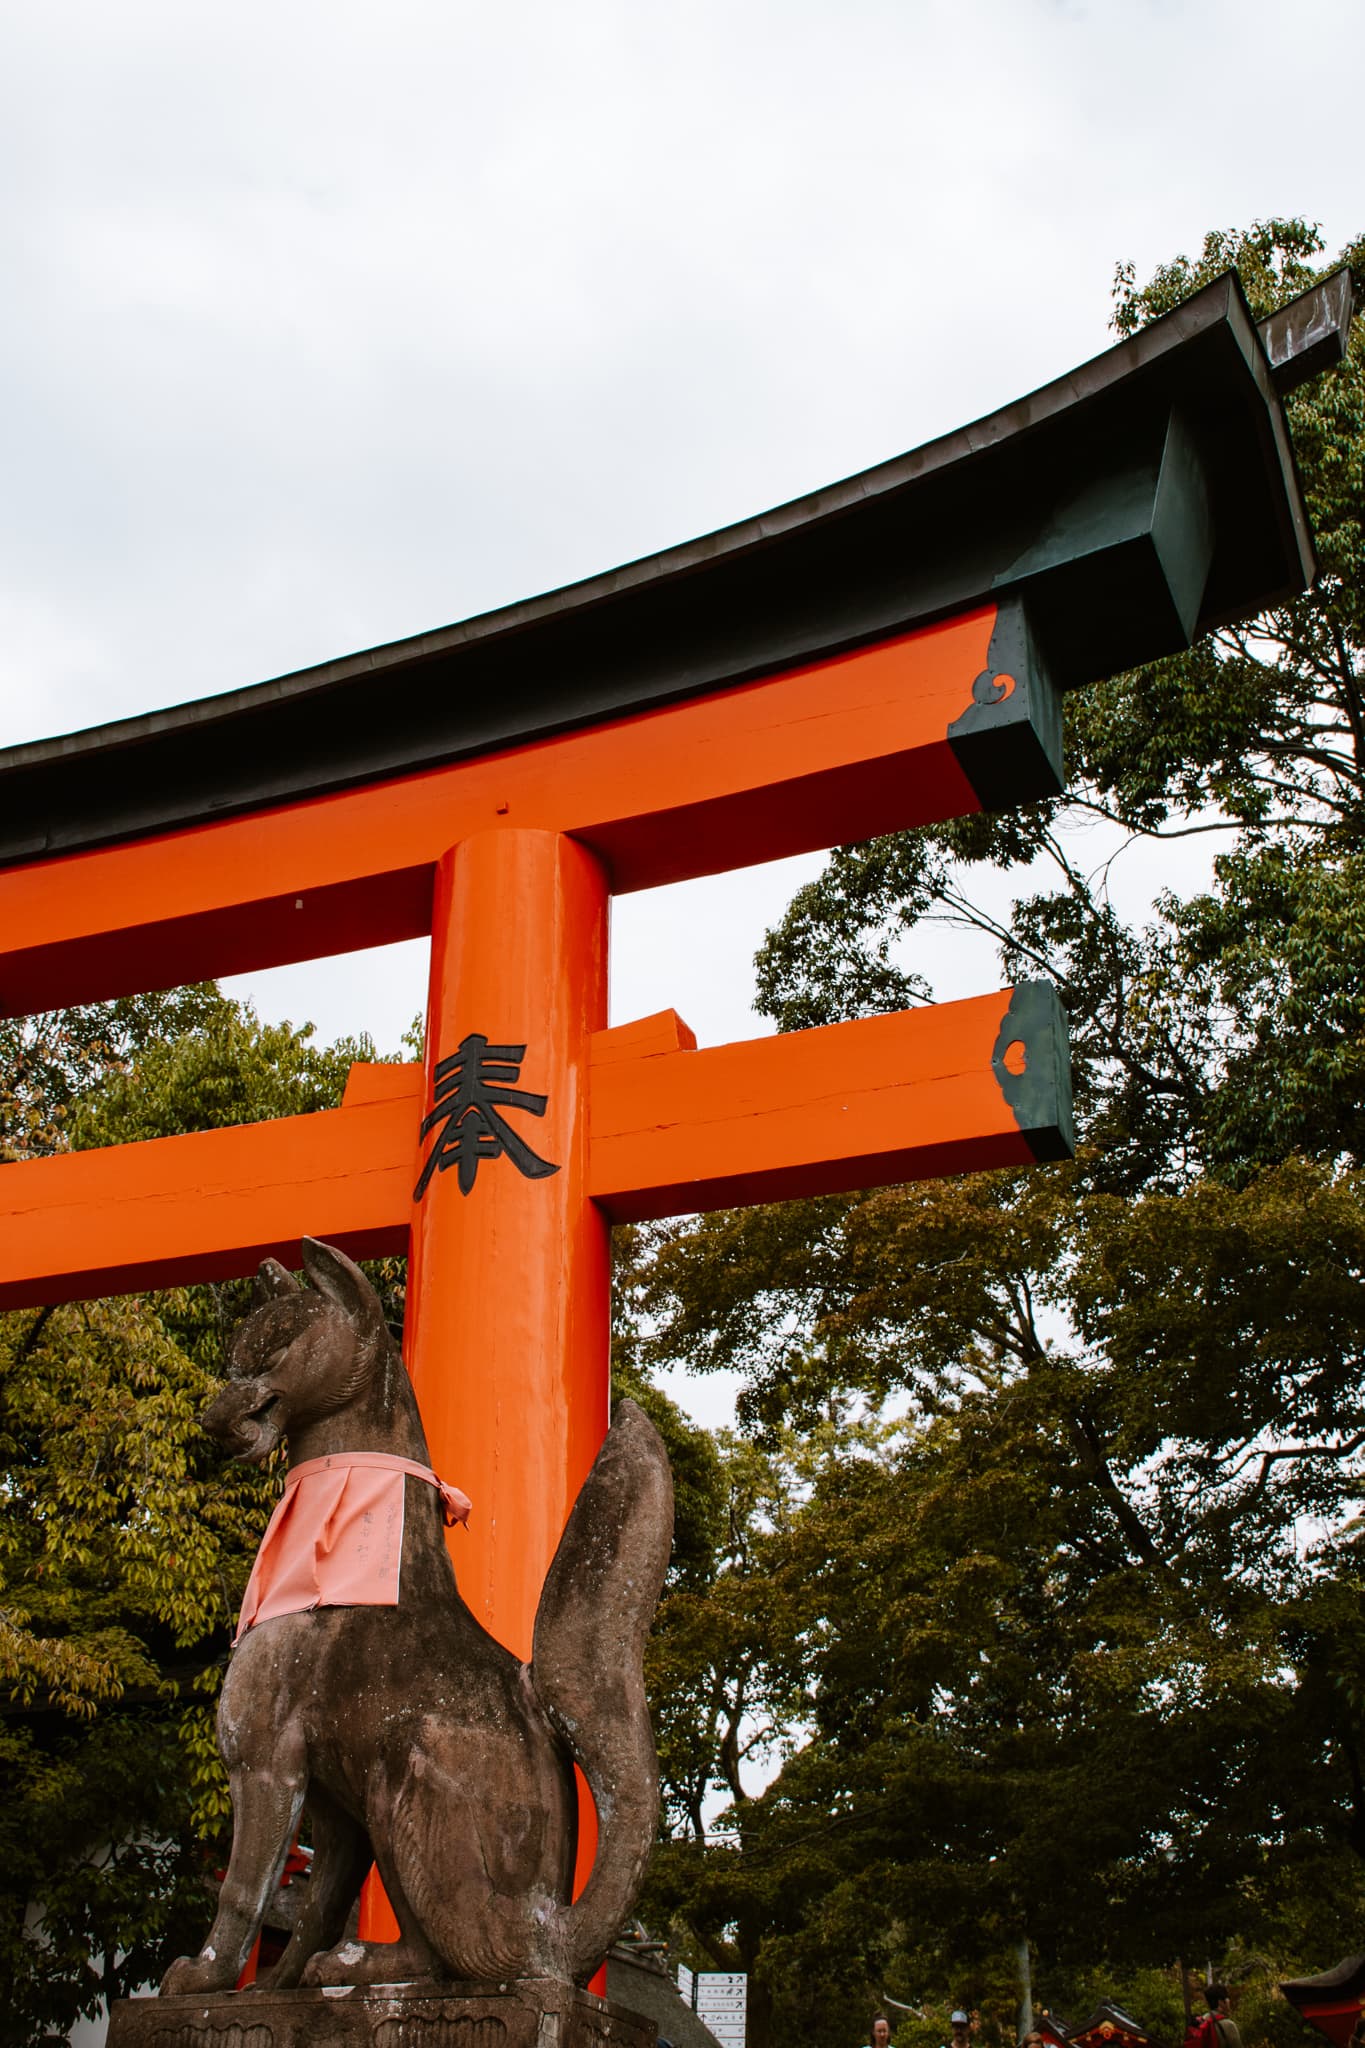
[341, 1282]
[272, 1280]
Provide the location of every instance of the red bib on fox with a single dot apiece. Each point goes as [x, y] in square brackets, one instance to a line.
[336, 1538]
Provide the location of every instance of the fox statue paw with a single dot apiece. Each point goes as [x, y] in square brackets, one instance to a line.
[189, 1975]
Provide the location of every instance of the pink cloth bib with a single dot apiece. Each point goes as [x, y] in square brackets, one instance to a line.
[336, 1538]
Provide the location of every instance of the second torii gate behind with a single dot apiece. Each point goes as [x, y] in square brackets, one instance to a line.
[884, 655]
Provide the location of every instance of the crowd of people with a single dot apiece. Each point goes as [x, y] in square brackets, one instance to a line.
[1214, 2029]
[959, 2024]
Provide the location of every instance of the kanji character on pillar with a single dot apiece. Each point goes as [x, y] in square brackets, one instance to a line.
[471, 1088]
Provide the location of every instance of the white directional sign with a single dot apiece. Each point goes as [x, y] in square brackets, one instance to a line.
[720, 2001]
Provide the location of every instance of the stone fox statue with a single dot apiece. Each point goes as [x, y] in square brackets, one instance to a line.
[413, 1736]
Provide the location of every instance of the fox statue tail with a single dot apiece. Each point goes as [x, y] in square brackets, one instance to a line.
[587, 1667]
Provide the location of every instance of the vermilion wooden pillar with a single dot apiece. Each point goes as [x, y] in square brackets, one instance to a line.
[508, 1316]
[508, 1303]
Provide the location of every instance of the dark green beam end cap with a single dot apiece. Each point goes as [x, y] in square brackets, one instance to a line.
[1032, 1063]
[1008, 741]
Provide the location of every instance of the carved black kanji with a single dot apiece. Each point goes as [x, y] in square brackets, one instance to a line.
[470, 1089]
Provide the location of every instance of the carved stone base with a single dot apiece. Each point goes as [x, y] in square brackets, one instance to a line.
[529, 2012]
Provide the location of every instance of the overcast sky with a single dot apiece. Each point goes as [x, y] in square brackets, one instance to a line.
[325, 323]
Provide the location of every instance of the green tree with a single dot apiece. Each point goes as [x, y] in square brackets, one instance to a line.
[1066, 1668]
[52, 1063]
[1078, 1641]
[1228, 1032]
[125, 1541]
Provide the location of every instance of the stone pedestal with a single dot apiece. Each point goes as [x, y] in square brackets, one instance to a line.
[528, 2012]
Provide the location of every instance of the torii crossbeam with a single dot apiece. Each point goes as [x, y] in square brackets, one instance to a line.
[886, 653]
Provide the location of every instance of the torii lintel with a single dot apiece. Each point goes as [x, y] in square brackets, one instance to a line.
[909, 1096]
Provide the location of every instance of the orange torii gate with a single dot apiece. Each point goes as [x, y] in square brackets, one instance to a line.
[886, 653]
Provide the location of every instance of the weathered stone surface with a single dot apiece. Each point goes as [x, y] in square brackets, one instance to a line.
[643, 1984]
[529, 2012]
[412, 1737]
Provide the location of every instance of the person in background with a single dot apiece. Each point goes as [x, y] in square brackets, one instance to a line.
[961, 2025]
[881, 2031]
[1217, 2029]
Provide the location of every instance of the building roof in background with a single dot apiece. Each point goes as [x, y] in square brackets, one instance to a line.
[638, 1979]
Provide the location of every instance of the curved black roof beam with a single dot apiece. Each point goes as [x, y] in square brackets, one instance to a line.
[1147, 496]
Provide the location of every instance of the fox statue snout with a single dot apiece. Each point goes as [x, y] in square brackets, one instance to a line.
[245, 1419]
[417, 1741]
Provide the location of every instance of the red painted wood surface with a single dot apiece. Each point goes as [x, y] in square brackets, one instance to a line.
[1337, 2018]
[906, 1096]
[166, 1211]
[508, 1327]
[831, 752]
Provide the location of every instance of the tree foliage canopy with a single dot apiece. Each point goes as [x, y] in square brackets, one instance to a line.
[1068, 1614]
[125, 1540]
